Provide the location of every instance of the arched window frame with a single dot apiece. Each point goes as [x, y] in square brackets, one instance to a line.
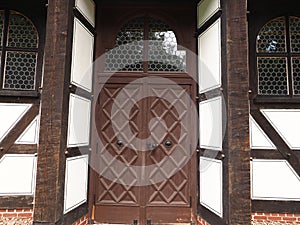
[283, 60]
[147, 56]
[31, 67]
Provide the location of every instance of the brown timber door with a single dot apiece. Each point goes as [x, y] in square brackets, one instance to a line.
[143, 149]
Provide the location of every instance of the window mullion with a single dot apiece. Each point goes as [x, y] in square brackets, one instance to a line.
[289, 60]
[3, 48]
[146, 45]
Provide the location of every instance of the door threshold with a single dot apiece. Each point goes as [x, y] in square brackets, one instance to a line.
[151, 224]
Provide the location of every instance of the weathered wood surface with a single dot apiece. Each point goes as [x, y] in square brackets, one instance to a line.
[238, 200]
[49, 195]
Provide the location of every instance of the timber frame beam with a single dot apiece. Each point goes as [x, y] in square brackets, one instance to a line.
[49, 196]
[237, 200]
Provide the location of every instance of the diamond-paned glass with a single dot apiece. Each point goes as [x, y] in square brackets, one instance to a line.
[272, 76]
[127, 55]
[163, 52]
[1, 26]
[271, 38]
[296, 75]
[20, 70]
[295, 34]
[21, 32]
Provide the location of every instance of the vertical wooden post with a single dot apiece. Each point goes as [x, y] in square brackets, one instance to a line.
[237, 161]
[49, 196]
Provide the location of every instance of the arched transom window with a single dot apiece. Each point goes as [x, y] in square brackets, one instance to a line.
[18, 51]
[146, 44]
[278, 57]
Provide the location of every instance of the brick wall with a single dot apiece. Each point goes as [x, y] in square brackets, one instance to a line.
[275, 219]
[16, 216]
[267, 219]
[82, 221]
[201, 221]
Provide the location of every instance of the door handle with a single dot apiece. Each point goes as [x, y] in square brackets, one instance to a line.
[168, 143]
[120, 143]
[151, 146]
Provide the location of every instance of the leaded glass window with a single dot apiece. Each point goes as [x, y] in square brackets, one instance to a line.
[19, 52]
[146, 44]
[278, 57]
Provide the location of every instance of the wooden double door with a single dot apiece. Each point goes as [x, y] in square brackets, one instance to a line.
[144, 166]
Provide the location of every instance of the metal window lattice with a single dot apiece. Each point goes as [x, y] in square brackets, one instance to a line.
[21, 32]
[271, 37]
[20, 70]
[1, 26]
[128, 52]
[272, 76]
[163, 52]
[296, 75]
[295, 34]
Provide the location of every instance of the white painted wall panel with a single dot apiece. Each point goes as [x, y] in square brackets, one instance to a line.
[211, 185]
[209, 44]
[17, 174]
[206, 9]
[79, 121]
[210, 123]
[258, 138]
[87, 9]
[82, 56]
[287, 123]
[10, 114]
[274, 180]
[30, 134]
[76, 181]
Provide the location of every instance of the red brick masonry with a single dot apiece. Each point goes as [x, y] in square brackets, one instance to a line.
[202, 221]
[16, 216]
[82, 221]
[275, 218]
[268, 219]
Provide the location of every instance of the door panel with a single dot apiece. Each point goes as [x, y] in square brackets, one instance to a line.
[115, 202]
[148, 180]
[171, 106]
[169, 201]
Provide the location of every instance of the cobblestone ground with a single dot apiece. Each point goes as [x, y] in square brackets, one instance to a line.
[15, 221]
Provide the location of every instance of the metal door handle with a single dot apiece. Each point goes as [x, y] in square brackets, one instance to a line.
[151, 145]
[168, 143]
[120, 143]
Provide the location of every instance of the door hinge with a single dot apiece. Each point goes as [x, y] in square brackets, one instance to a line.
[94, 199]
[191, 201]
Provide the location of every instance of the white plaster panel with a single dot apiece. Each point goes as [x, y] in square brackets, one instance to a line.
[258, 138]
[87, 9]
[211, 185]
[82, 56]
[274, 180]
[79, 121]
[210, 123]
[31, 133]
[209, 44]
[76, 180]
[206, 9]
[10, 114]
[17, 174]
[286, 122]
